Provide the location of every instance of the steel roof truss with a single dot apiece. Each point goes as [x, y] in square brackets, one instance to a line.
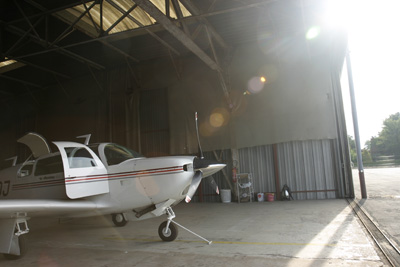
[141, 25]
[20, 81]
[195, 11]
[26, 18]
[46, 44]
[11, 49]
[153, 11]
[61, 36]
[101, 22]
[91, 18]
[121, 18]
[179, 14]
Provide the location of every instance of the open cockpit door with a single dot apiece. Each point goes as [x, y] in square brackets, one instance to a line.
[85, 174]
[37, 144]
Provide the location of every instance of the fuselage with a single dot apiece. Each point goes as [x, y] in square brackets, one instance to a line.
[134, 183]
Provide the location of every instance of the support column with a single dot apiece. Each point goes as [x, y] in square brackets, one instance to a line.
[356, 130]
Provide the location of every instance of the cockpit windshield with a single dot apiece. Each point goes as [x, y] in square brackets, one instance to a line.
[115, 154]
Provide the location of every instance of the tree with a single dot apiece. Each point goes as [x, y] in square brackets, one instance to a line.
[352, 145]
[388, 140]
[366, 156]
[365, 153]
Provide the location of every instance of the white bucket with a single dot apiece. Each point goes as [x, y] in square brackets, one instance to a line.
[260, 197]
[225, 195]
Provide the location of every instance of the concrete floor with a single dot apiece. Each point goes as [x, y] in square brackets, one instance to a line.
[295, 233]
[383, 198]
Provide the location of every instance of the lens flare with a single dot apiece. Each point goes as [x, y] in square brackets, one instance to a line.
[313, 32]
[219, 117]
[216, 120]
[255, 85]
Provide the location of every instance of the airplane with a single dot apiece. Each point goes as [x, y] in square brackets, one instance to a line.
[82, 180]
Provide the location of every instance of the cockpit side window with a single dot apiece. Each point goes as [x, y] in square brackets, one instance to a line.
[25, 170]
[115, 154]
[79, 157]
[49, 165]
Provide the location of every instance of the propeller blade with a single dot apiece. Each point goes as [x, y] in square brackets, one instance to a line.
[207, 167]
[213, 184]
[193, 186]
[198, 137]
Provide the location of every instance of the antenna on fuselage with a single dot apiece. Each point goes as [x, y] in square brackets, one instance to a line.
[198, 138]
[87, 136]
[14, 160]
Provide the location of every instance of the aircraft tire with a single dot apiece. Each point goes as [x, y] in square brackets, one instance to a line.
[23, 247]
[170, 235]
[119, 220]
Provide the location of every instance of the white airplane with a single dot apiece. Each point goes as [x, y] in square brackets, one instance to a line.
[82, 180]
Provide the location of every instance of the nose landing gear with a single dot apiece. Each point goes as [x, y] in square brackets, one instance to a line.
[168, 231]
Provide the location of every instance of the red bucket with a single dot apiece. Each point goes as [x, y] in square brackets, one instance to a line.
[270, 197]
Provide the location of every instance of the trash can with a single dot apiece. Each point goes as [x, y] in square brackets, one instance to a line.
[225, 195]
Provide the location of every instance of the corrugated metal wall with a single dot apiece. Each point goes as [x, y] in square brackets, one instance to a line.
[260, 162]
[307, 167]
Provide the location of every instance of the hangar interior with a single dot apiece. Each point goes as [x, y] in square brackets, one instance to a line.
[267, 93]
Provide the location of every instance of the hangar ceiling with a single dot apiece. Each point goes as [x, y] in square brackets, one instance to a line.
[45, 42]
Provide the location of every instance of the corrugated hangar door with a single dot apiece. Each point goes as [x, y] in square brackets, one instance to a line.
[154, 123]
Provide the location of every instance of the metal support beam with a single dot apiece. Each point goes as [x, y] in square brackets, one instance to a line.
[95, 79]
[19, 81]
[167, 13]
[44, 69]
[179, 14]
[121, 18]
[126, 34]
[176, 32]
[44, 43]
[61, 36]
[118, 50]
[62, 87]
[91, 18]
[141, 25]
[224, 172]
[32, 95]
[276, 172]
[10, 50]
[48, 12]
[100, 30]
[101, 18]
[220, 73]
[195, 11]
[175, 66]
[32, 28]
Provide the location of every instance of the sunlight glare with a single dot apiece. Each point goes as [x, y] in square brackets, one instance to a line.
[374, 50]
[313, 32]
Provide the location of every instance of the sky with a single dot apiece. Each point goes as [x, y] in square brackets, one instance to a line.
[374, 44]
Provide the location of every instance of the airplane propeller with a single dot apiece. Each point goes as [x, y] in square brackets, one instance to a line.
[193, 186]
[213, 184]
[203, 168]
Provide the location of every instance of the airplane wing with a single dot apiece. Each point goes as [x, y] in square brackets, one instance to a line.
[14, 214]
[15, 208]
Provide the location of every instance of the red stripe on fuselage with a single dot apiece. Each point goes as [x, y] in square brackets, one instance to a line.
[93, 178]
[124, 174]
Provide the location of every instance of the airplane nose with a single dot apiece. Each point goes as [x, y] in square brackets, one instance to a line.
[203, 168]
[207, 167]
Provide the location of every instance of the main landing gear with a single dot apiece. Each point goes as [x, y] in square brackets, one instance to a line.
[168, 231]
[119, 219]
